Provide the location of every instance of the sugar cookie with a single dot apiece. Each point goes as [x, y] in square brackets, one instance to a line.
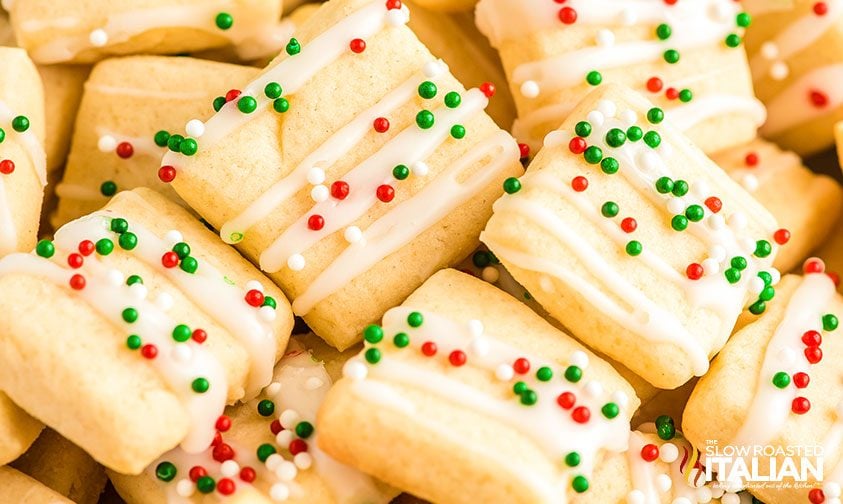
[18, 487]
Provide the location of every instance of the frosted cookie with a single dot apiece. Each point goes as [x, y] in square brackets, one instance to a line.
[686, 56]
[17, 430]
[352, 169]
[64, 467]
[165, 326]
[67, 31]
[266, 450]
[128, 112]
[634, 240]
[462, 382]
[484, 265]
[18, 487]
[23, 169]
[801, 201]
[454, 38]
[787, 363]
[797, 66]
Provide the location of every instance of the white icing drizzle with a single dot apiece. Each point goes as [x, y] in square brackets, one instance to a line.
[207, 287]
[250, 27]
[409, 147]
[143, 146]
[797, 36]
[770, 407]
[551, 428]
[154, 326]
[410, 218]
[8, 230]
[792, 106]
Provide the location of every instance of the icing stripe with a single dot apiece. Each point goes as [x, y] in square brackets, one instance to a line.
[8, 230]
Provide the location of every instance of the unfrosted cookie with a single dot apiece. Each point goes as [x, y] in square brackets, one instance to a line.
[17, 430]
[447, 5]
[797, 65]
[788, 366]
[161, 326]
[64, 467]
[472, 397]
[84, 31]
[805, 204]
[634, 240]
[23, 169]
[20, 488]
[267, 449]
[129, 108]
[454, 38]
[687, 56]
[352, 169]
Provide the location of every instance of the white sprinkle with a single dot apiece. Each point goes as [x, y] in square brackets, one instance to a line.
[704, 495]
[475, 327]
[635, 497]
[737, 221]
[716, 221]
[313, 383]
[664, 482]
[182, 353]
[286, 471]
[115, 277]
[676, 205]
[490, 274]
[279, 492]
[289, 417]
[272, 389]
[595, 118]
[593, 389]
[433, 69]
[195, 128]
[185, 488]
[229, 468]
[296, 262]
[355, 370]
[832, 489]
[668, 453]
[776, 274]
[315, 176]
[353, 234]
[138, 291]
[711, 266]
[254, 285]
[274, 461]
[579, 359]
[284, 438]
[629, 117]
[303, 460]
[172, 237]
[504, 372]
[749, 182]
[164, 301]
[769, 50]
[320, 193]
[621, 399]
[756, 285]
[718, 252]
[420, 169]
[397, 17]
[605, 38]
[607, 108]
[267, 313]
[747, 244]
[555, 138]
[530, 89]
[98, 37]
[779, 71]
[107, 143]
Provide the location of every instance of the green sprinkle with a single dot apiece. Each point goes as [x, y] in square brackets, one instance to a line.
[130, 315]
[733, 275]
[373, 333]
[580, 484]
[583, 129]
[594, 78]
[763, 248]
[458, 131]
[572, 459]
[610, 410]
[830, 322]
[424, 119]
[45, 249]
[273, 90]
[189, 147]
[679, 223]
[664, 420]
[108, 188]
[739, 263]
[2, 135]
[634, 248]
[181, 333]
[119, 225]
[609, 209]
[593, 154]
[401, 172]
[664, 185]
[304, 429]
[105, 247]
[573, 374]
[415, 319]
[20, 123]
[281, 105]
[743, 20]
[694, 213]
[686, 95]
[166, 471]
[401, 340]
[200, 385]
[247, 104]
[128, 241]
[427, 90]
[655, 115]
[758, 307]
[663, 31]
[519, 387]
[224, 21]
[511, 185]
[293, 47]
[219, 103]
[266, 408]
[529, 398]
[206, 484]
[766, 277]
[264, 451]
[767, 294]
[174, 143]
[671, 56]
[781, 379]
[680, 188]
[373, 355]
[609, 165]
[634, 133]
[544, 373]
[733, 40]
[615, 137]
[652, 139]
[133, 342]
[181, 249]
[481, 259]
[133, 279]
[453, 100]
[666, 431]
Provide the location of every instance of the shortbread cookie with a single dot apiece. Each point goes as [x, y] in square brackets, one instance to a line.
[788, 366]
[136, 375]
[483, 264]
[634, 240]
[454, 38]
[266, 450]
[686, 56]
[17, 430]
[472, 397]
[802, 202]
[64, 467]
[23, 170]
[352, 169]
[797, 66]
[20, 488]
[130, 107]
[67, 31]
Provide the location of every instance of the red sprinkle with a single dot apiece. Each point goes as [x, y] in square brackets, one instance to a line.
[820, 8]
[781, 236]
[525, 150]
[567, 15]
[812, 338]
[381, 124]
[86, 247]
[385, 193]
[223, 452]
[751, 159]
[298, 446]
[714, 204]
[7, 166]
[654, 84]
[223, 423]
[670, 2]
[814, 354]
[650, 452]
[629, 225]
[818, 98]
[199, 335]
[581, 414]
[77, 282]
[197, 472]
[577, 145]
[671, 93]
[339, 190]
[275, 427]
[457, 358]
[393, 4]
[800, 405]
[75, 261]
[217, 439]
[315, 222]
[125, 150]
[521, 365]
[801, 380]
[226, 486]
[149, 351]
[232, 95]
[694, 271]
[813, 265]
[429, 348]
[488, 89]
[248, 474]
[579, 183]
[566, 400]
[170, 260]
[254, 297]
[357, 45]
[167, 174]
